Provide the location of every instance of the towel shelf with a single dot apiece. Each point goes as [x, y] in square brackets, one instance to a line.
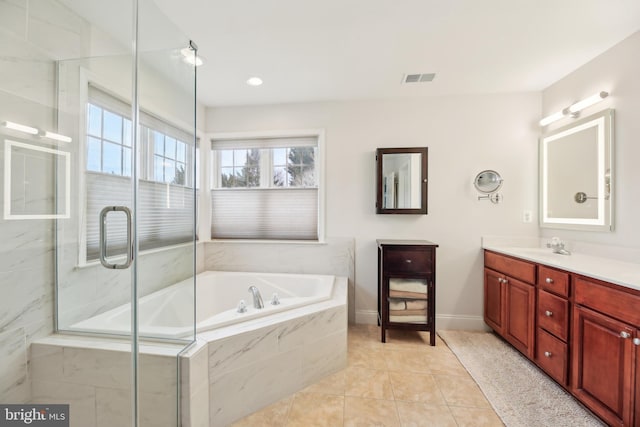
[407, 272]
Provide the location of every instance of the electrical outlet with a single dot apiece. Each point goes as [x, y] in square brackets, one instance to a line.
[526, 216]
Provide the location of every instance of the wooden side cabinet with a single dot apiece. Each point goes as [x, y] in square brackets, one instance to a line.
[509, 299]
[407, 286]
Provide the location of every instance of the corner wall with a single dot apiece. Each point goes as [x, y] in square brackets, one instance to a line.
[465, 135]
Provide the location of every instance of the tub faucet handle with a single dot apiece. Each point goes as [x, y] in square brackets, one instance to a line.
[242, 306]
[275, 300]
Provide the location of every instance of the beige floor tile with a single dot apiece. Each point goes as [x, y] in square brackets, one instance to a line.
[274, 415]
[475, 417]
[333, 384]
[316, 409]
[406, 359]
[404, 339]
[418, 414]
[370, 383]
[461, 391]
[444, 362]
[360, 412]
[366, 358]
[415, 387]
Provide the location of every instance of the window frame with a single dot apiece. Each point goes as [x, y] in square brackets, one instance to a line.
[88, 79]
[212, 179]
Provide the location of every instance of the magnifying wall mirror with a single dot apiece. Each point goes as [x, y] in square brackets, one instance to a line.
[576, 175]
[489, 182]
[401, 180]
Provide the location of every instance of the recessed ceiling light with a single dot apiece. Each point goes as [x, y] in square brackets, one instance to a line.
[254, 81]
[189, 56]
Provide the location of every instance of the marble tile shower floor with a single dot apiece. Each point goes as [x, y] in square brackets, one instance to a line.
[404, 382]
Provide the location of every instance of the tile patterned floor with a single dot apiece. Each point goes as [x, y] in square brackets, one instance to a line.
[404, 382]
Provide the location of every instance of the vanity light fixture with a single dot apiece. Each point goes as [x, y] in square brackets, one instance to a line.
[20, 128]
[574, 109]
[254, 81]
[588, 102]
[34, 131]
[552, 118]
[56, 136]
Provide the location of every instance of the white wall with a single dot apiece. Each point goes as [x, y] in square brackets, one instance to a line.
[465, 135]
[616, 71]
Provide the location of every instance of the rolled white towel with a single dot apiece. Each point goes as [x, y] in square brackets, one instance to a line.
[408, 319]
[397, 305]
[416, 304]
[408, 285]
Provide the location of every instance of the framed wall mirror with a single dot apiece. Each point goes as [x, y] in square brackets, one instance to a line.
[401, 180]
[576, 175]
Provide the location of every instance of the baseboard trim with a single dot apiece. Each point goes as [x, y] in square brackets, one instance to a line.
[443, 321]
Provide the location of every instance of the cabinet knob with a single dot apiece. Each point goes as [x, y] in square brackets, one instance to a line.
[408, 261]
[636, 341]
[547, 354]
[548, 313]
[625, 334]
[499, 279]
[505, 281]
[549, 280]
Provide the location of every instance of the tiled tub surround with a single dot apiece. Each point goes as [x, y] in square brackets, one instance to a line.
[230, 372]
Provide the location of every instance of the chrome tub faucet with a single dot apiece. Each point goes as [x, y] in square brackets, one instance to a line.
[257, 298]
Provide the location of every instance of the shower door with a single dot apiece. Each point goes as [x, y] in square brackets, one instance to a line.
[130, 232]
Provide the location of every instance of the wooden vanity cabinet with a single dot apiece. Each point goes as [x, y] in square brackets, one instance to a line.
[603, 366]
[407, 264]
[553, 320]
[605, 341]
[587, 331]
[509, 306]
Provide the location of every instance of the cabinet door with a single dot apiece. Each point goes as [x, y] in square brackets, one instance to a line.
[603, 365]
[494, 299]
[520, 302]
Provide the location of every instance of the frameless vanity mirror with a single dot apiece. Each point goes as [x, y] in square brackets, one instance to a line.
[576, 175]
[401, 180]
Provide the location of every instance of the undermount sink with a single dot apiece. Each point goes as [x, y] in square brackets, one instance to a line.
[539, 252]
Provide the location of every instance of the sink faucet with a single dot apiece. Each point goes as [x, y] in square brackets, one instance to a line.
[557, 246]
[257, 298]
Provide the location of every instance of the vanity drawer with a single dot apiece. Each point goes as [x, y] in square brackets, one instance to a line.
[551, 356]
[401, 260]
[612, 300]
[553, 280]
[512, 267]
[553, 314]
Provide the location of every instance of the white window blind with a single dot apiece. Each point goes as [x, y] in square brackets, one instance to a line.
[165, 211]
[268, 211]
[165, 214]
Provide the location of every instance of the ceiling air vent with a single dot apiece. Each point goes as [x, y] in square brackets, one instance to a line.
[418, 78]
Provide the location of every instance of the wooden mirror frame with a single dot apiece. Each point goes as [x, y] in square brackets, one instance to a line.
[422, 210]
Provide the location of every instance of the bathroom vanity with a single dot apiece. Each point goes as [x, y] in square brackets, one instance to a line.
[575, 316]
[407, 286]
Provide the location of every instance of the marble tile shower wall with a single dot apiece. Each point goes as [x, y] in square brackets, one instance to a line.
[33, 35]
[336, 257]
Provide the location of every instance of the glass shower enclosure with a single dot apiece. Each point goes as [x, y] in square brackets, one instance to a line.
[125, 198]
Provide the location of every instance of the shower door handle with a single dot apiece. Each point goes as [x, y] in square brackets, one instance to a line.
[103, 237]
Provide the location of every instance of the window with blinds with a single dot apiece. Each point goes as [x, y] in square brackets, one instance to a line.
[165, 189]
[265, 188]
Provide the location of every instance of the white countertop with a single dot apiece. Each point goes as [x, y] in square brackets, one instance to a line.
[622, 273]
